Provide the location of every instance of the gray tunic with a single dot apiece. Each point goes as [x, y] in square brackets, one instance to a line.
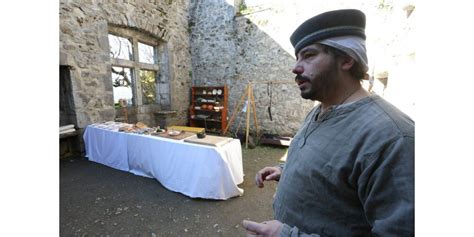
[350, 173]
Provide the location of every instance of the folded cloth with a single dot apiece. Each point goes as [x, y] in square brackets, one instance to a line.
[353, 46]
[66, 127]
[67, 131]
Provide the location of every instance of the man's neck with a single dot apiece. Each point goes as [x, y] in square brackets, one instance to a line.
[348, 95]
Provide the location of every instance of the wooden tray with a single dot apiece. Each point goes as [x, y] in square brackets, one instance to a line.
[181, 136]
[187, 129]
[209, 140]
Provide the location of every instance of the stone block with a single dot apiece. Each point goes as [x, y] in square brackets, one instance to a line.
[107, 114]
[165, 100]
[164, 118]
[83, 119]
[163, 88]
[145, 109]
[145, 118]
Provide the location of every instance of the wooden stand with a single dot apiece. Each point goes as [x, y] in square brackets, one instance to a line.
[248, 94]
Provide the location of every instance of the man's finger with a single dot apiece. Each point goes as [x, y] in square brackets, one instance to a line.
[258, 180]
[252, 226]
[271, 177]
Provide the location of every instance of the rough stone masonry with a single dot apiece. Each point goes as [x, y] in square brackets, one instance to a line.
[205, 42]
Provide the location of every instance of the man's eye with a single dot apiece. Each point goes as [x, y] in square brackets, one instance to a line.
[307, 55]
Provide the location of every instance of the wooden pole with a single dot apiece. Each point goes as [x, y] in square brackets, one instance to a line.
[248, 93]
[254, 113]
[235, 111]
[249, 89]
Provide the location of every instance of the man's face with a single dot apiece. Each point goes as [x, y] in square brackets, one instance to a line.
[316, 72]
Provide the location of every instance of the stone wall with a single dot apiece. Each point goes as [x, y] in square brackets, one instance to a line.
[84, 48]
[228, 48]
[208, 42]
[242, 41]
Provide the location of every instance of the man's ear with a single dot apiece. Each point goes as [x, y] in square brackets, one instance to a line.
[347, 63]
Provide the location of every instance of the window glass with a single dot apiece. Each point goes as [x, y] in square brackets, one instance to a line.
[138, 67]
[122, 83]
[146, 53]
[120, 47]
[148, 83]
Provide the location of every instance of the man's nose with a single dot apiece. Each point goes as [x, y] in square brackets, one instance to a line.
[298, 69]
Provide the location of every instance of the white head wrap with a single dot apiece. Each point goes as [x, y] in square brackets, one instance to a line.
[353, 46]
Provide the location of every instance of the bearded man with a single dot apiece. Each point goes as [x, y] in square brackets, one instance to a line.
[350, 167]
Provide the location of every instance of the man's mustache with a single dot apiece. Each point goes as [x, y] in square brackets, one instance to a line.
[301, 78]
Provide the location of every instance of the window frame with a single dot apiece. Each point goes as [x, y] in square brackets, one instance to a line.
[134, 64]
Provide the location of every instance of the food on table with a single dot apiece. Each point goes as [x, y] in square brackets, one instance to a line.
[140, 125]
[174, 132]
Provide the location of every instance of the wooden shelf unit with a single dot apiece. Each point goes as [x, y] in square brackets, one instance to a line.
[209, 108]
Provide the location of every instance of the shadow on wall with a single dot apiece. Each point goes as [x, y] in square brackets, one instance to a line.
[228, 48]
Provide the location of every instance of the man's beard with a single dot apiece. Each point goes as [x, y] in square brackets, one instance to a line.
[322, 84]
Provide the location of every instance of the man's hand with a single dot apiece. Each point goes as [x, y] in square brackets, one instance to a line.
[267, 173]
[266, 229]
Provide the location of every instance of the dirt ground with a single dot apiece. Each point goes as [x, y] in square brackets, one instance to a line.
[96, 200]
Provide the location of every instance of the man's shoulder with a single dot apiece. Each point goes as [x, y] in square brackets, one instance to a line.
[385, 116]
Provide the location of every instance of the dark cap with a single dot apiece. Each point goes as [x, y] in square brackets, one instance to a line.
[329, 24]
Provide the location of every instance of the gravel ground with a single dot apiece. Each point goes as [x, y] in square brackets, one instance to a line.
[96, 200]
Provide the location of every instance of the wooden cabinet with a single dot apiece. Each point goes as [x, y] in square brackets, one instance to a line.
[209, 108]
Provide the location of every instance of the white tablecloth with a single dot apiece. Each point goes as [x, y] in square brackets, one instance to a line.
[195, 170]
